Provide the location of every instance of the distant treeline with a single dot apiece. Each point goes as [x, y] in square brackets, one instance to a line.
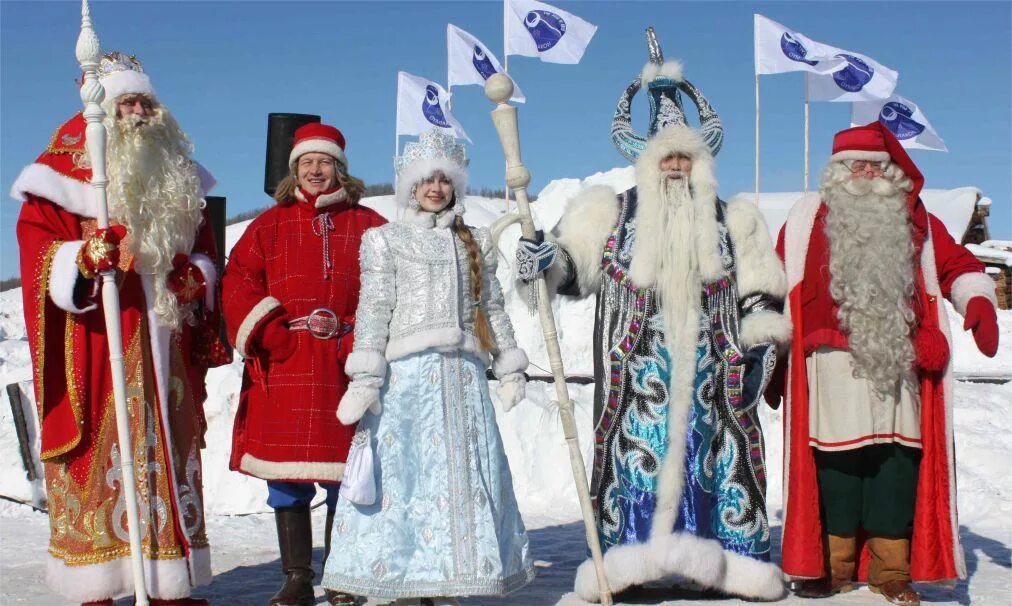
[10, 283]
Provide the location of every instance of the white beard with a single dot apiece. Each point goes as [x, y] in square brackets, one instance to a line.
[154, 190]
[871, 265]
[679, 282]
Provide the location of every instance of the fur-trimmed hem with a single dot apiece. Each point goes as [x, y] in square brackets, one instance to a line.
[251, 321]
[683, 554]
[366, 361]
[164, 578]
[440, 339]
[420, 169]
[765, 327]
[964, 288]
[757, 267]
[509, 361]
[291, 470]
[583, 231]
[207, 267]
[63, 277]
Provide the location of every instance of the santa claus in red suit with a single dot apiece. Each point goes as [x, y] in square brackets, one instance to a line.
[162, 246]
[870, 487]
[289, 295]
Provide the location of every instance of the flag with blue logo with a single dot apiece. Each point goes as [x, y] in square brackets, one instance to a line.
[536, 29]
[903, 118]
[422, 106]
[779, 50]
[470, 62]
[861, 78]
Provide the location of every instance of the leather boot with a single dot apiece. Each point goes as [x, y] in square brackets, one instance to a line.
[889, 571]
[842, 562]
[334, 598]
[295, 541]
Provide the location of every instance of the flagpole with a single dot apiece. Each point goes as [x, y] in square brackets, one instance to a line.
[806, 136]
[89, 53]
[757, 139]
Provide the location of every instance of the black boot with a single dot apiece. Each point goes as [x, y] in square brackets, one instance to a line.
[334, 598]
[295, 541]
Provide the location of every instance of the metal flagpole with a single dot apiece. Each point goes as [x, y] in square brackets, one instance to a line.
[806, 136]
[499, 89]
[757, 139]
[89, 53]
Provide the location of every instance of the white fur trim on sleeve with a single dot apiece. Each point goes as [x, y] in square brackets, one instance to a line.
[765, 327]
[970, 285]
[63, 277]
[583, 231]
[366, 361]
[250, 322]
[758, 267]
[510, 361]
[207, 267]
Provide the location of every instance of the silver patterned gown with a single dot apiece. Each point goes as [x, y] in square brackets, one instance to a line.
[445, 521]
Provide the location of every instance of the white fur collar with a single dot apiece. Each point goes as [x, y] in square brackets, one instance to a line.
[649, 239]
[424, 218]
[324, 200]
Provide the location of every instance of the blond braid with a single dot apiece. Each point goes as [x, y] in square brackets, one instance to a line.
[482, 329]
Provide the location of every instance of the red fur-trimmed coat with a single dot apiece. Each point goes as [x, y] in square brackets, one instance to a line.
[945, 269]
[286, 426]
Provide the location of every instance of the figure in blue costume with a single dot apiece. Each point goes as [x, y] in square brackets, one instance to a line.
[444, 521]
[688, 320]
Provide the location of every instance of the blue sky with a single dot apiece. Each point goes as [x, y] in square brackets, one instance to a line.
[221, 67]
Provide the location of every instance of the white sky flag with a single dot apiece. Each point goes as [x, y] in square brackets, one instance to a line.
[861, 79]
[536, 29]
[421, 107]
[779, 50]
[470, 62]
[903, 118]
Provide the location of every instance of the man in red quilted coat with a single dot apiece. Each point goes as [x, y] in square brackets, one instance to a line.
[870, 487]
[289, 295]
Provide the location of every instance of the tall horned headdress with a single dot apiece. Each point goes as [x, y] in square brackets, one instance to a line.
[664, 85]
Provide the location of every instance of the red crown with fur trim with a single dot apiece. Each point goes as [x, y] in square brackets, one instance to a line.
[317, 137]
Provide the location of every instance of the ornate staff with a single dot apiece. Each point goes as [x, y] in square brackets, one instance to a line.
[89, 54]
[499, 88]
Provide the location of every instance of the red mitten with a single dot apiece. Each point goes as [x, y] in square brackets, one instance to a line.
[983, 321]
[101, 251]
[277, 340]
[931, 349]
[186, 280]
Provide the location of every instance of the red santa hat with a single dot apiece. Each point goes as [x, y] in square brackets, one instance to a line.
[877, 143]
[317, 137]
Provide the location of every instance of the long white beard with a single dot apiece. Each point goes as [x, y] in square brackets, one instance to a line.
[871, 266]
[154, 190]
[678, 283]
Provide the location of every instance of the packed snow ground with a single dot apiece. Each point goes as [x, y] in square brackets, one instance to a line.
[241, 529]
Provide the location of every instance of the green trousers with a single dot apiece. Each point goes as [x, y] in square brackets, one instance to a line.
[873, 487]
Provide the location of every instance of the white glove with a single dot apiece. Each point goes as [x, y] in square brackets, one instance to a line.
[511, 390]
[362, 395]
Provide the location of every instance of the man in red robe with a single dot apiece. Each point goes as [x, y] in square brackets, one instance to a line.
[870, 487]
[161, 246]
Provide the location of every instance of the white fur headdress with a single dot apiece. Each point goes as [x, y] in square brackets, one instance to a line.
[435, 151]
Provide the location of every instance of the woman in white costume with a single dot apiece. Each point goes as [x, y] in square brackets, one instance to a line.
[444, 520]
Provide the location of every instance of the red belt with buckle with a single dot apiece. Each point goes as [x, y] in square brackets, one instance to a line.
[322, 323]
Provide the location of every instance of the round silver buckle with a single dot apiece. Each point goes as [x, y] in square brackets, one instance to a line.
[322, 323]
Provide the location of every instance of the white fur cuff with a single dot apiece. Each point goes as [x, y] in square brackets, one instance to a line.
[63, 277]
[366, 361]
[510, 361]
[968, 286]
[765, 327]
[251, 321]
[206, 267]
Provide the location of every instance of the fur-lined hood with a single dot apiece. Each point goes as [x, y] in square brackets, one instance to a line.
[421, 169]
[703, 184]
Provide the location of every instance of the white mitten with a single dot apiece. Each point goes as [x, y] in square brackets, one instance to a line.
[361, 396]
[511, 390]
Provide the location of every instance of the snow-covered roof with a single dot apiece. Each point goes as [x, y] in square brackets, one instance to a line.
[954, 207]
